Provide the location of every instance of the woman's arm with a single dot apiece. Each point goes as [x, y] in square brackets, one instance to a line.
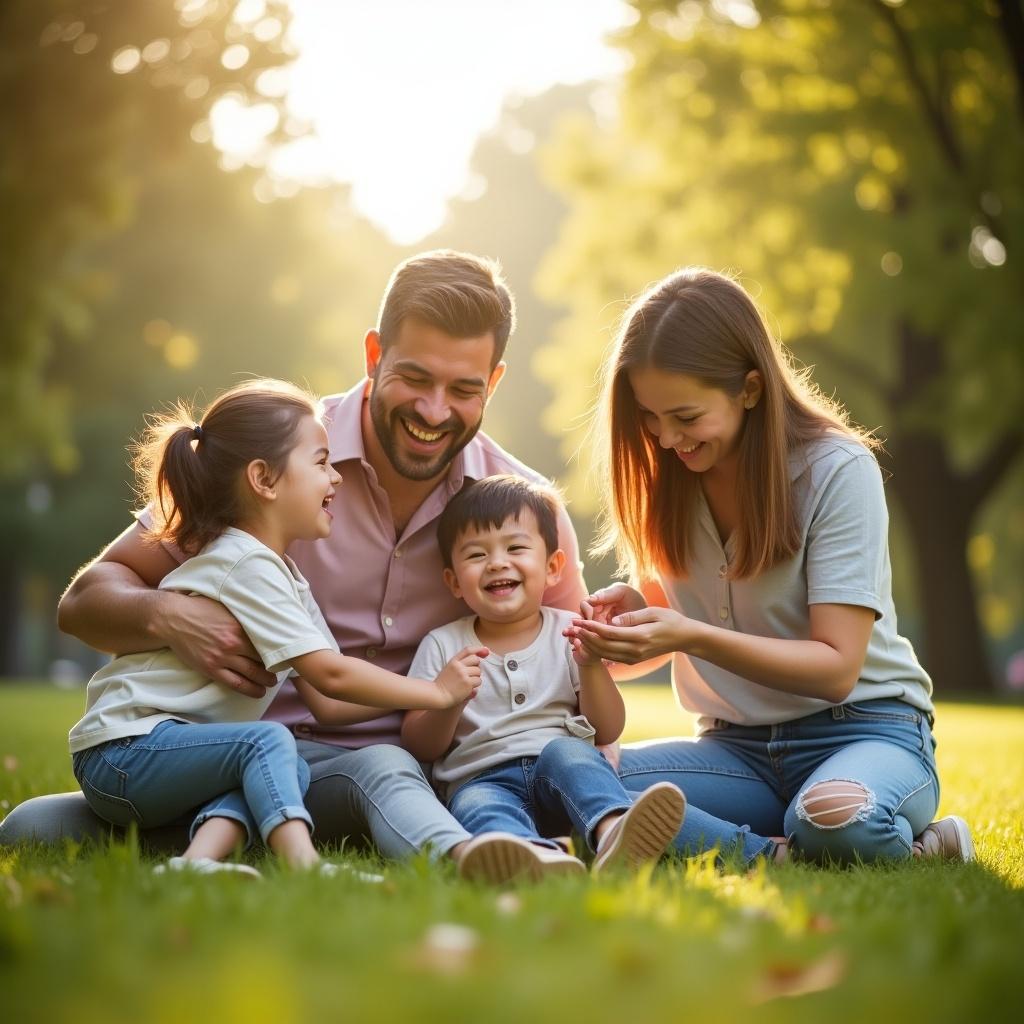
[826, 666]
[427, 735]
[351, 679]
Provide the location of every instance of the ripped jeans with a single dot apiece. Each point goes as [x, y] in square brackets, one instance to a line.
[853, 782]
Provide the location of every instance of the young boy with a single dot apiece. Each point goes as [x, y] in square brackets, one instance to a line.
[517, 762]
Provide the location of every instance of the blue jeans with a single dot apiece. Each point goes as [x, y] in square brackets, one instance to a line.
[380, 793]
[744, 784]
[569, 785]
[247, 771]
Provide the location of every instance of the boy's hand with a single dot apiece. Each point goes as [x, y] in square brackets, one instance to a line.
[580, 654]
[459, 680]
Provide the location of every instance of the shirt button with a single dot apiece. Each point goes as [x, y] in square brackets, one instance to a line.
[398, 552]
[388, 621]
[371, 652]
[519, 698]
[512, 666]
[723, 571]
[723, 613]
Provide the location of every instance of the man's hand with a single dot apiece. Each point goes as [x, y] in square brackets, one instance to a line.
[459, 680]
[208, 638]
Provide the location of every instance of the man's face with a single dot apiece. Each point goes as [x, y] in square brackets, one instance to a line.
[428, 395]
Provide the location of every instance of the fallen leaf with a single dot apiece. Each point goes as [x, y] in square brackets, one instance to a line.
[786, 979]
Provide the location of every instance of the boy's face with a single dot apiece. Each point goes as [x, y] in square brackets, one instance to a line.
[502, 572]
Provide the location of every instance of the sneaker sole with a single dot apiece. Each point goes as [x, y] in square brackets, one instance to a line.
[646, 829]
[498, 860]
[964, 839]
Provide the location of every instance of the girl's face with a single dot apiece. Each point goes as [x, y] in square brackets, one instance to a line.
[701, 424]
[306, 487]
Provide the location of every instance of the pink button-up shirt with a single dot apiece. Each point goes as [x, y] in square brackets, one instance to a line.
[381, 595]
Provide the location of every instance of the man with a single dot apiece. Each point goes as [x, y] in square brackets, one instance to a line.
[404, 440]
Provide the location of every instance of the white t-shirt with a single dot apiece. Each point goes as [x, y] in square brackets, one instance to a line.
[266, 593]
[526, 698]
[843, 559]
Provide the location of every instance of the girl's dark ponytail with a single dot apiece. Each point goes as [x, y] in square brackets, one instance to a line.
[190, 471]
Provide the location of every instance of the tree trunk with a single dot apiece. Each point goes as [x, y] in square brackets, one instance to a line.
[939, 520]
[940, 505]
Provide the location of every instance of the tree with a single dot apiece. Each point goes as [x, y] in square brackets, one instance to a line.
[93, 91]
[140, 272]
[860, 162]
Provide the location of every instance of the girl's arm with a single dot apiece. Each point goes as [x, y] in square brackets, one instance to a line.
[427, 735]
[351, 679]
[328, 711]
[825, 666]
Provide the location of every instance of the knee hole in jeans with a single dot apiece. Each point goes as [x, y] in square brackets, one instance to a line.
[834, 803]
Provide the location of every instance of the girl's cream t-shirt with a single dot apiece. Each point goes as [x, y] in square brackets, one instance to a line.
[266, 593]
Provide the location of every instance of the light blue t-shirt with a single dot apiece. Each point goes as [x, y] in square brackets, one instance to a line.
[843, 559]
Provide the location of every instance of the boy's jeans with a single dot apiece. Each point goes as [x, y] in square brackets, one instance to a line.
[744, 784]
[247, 771]
[568, 785]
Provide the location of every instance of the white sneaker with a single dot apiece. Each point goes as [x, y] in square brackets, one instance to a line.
[498, 858]
[644, 832]
[329, 870]
[205, 866]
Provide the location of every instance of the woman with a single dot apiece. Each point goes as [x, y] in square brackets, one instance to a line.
[759, 512]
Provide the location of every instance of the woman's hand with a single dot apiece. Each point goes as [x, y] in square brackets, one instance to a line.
[603, 605]
[635, 635]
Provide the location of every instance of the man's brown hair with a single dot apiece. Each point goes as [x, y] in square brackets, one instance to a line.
[461, 294]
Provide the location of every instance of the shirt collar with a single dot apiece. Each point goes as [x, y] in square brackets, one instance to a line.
[344, 415]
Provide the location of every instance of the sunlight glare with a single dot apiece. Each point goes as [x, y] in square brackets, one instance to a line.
[397, 93]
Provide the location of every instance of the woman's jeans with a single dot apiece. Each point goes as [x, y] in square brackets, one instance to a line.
[744, 784]
[569, 785]
[249, 772]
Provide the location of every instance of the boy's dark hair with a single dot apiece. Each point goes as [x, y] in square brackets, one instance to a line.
[460, 294]
[489, 502]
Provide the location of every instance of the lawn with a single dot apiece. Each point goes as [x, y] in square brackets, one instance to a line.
[92, 936]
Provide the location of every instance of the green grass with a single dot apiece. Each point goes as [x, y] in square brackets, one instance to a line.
[92, 936]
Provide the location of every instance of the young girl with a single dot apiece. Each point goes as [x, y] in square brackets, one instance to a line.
[158, 738]
[760, 512]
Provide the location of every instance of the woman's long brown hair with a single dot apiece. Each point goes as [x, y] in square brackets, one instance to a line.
[703, 324]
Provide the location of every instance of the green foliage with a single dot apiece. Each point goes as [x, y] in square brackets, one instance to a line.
[76, 134]
[860, 166]
[924, 941]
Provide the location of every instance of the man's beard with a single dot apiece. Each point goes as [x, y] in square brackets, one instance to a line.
[409, 464]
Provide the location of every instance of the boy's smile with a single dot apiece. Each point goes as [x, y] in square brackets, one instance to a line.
[501, 572]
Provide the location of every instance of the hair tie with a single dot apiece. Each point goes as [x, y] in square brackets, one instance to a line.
[197, 432]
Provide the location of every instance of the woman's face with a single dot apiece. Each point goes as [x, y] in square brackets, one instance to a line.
[701, 424]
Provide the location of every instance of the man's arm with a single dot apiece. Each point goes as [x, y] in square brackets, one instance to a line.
[112, 604]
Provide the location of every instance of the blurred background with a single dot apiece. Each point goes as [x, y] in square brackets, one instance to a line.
[191, 190]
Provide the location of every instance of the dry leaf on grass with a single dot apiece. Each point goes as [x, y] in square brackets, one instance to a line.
[785, 979]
